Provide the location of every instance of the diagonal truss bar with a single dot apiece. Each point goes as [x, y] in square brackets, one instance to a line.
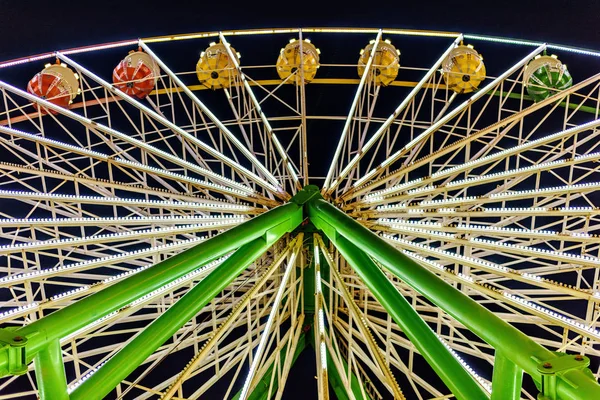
[518, 347]
[96, 127]
[274, 184]
[363, 80]
[263, 117]
[388, 122]
[216, 335]
[161, 329]
[262, 346]
[362, 325]
[63, 322]
[240, 192]
[419, 333]
[379, 196]
[191, 138]
[448, 117]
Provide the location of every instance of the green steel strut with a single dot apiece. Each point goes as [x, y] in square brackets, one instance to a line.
[575, 382]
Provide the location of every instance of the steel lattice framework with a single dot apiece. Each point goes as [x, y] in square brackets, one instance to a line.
[174, 247]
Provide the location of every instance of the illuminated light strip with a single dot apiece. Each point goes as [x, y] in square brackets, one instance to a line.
[178, 281]
[14, 194]
[405, 32]
[484, 384]
[79, 291]
[175, 219]
[84, 378]
[273, 185]
[122, 136]
[19, 310]
[118, 160]
[395, 223]
[520, 148]
[484, 243]
[554, 315]
[489, 266]
[98, 262]
[138, 234]
[379, 195]
[518, 171]
[240, 188]
[521, 42]
[69, 293]
[566, 188]
[557, 190]
[567, 256]
[265, 334]
[499, 155]
[484, 212]
[100, 47]
[155, 293]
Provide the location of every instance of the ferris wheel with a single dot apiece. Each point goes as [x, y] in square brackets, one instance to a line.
[186, 216]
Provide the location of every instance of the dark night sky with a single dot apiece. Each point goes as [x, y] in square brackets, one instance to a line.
[31, 27]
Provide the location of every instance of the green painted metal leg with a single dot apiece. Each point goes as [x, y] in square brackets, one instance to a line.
[160, 330]
[521, 350]
[50, 373]
[507, 380]
[462, 385]
[271, 224]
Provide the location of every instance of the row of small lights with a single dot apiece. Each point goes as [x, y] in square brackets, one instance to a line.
[120, 220]
[84, 378]
[98, 261]
[509, 296]
[525, 169]
[184, 278]
[100, 199]
[515, 149]
[466, 366]
[395, 223]
[500, 196]
[446, 253]
[80, 290]
[535, 250]
[379, 195]
[592, 331]
[120, 235]
[242, 190]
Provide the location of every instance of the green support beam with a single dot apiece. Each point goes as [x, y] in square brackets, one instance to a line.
[50, 373]
[458, 380]
[507, 380]
[40, 333]
[518, 347]
[119, 366]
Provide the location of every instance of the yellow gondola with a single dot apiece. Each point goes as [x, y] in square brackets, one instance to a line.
[386, 62]
[215, 69]
[290, 59]
[463, 69]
